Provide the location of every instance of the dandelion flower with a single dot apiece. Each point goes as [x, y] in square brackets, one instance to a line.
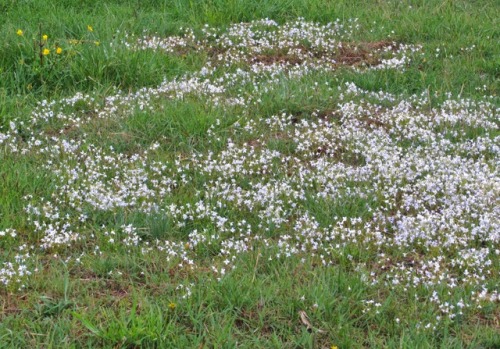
[58, 50]
[89, 28]
[19, 32]
[334, 347]
[45, 37]
[171, 305]
[45, 51]
[97, 43]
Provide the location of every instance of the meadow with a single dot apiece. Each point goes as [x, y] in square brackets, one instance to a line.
[250, 174]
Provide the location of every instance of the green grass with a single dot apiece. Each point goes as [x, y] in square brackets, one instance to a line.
[20, 176]
[95, 310]
[449, 25]
[129, 296]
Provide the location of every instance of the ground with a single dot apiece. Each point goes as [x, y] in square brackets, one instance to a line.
[229, 174]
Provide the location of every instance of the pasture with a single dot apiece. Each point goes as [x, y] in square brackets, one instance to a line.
[251, 174]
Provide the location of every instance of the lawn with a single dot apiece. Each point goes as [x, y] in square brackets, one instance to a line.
[251, 174]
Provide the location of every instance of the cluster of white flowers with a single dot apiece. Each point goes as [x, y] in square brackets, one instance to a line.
[13, 274]
[266, 45]
[415, 187]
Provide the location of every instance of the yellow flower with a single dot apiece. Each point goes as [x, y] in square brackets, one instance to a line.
[171, 305]
[89, 28]
[19, 32]
[45, 51]
[58, 50]
[97, 43]
[45, 37]
[334, 347]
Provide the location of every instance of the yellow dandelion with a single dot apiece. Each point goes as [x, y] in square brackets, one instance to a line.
[45, 52]
[97, 43]
[58, 50]
[45, 37]
[334, 347]
[171, 305]
[89, 28]
[19, 32]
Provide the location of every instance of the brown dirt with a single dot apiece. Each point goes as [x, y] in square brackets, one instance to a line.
[348, 54]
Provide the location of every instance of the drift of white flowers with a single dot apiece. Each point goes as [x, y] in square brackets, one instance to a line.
[424, 194]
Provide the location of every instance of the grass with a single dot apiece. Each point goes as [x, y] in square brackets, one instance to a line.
[145, 204]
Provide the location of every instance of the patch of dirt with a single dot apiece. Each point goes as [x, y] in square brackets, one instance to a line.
[66, 130]
[367, 53]
[254, 143]
[371, 122]
[10, 303]
[348, 54]
[247, 320]
[269, 59]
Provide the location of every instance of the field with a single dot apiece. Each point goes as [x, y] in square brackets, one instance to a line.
[251, 174]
